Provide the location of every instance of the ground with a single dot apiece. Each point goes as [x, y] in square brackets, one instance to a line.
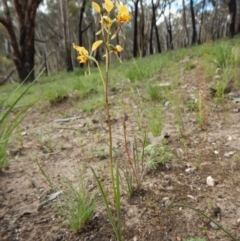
[62, 147]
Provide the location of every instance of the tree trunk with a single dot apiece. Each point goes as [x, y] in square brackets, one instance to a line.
[23, 45]
[143, 39]
[68, 46]
[232, 6]
[194, 34]
[201, 25]
[80, 24]
[151, 29]
[170, 28]
[186, 38]
[135, 34]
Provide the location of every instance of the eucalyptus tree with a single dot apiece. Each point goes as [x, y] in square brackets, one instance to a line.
[18, 18]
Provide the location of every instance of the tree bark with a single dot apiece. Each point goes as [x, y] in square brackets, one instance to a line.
[135, 34]
[169, 29]
[23, 47]
[68, 46]
[80, 24]
[232, 6]
[194, 34]
[186, 38]
[201, 25]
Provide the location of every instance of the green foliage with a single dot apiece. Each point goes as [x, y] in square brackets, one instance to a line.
[154, 92]
[155, 121]
[192, 105]
[8, 124]
[78, 204]
[222, 55]
[157, 155]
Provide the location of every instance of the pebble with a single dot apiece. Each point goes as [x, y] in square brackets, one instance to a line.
[229, 154]
[189, 170]
[210, 181]
[214, 226]
[166, 201]
[167, 177]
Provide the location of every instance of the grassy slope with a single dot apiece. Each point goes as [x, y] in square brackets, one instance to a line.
[143, 73]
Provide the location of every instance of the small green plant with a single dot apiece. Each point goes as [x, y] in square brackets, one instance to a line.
[134, 168]
[8, 124]
[191, 105]
[194, 239]
[154, 92]
[201, 111]
[78, 204]
[176, 104]
[158, 155]
[45, 141]
[136, 73]
[222, 55]
[155, 121]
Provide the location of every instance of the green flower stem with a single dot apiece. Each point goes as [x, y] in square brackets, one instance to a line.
[109, 118]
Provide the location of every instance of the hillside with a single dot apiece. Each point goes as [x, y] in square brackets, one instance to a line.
[181, 107]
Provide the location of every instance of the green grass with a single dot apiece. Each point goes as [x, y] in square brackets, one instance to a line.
[78, 204]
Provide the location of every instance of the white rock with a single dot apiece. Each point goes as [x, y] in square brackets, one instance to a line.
[214, 226]
[210, 181]
[189, 170]
[230, 153]
[216, 152]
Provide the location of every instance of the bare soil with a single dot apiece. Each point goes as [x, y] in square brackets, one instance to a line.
[212, 149]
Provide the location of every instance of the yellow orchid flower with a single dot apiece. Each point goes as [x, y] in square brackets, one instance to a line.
[96, 7]
[123, 14]
[117, 49]
[108, 5]
[107, 22]
[96, 45]
[83, 53]
[81, 50]
[82, 59]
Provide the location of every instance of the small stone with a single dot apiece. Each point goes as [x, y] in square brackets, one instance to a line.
[166, 104]
[229, 154]
[1, 217]
[238, 221]
[167, 177]
[216, 152]
[189, 170]
[210, 181]
[168, 203]
[214, 226]
[165, 199]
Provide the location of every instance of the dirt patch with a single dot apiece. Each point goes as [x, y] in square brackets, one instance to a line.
[211, 150]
